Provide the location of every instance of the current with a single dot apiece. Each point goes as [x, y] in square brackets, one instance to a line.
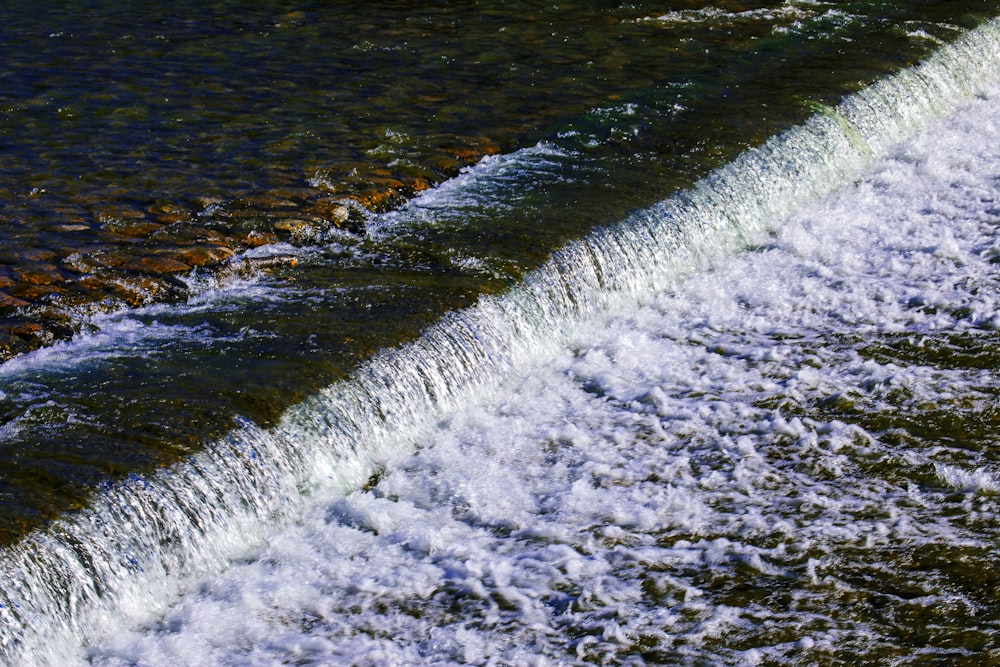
[622, 392]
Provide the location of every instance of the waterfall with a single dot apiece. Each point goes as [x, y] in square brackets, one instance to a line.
[128, 554]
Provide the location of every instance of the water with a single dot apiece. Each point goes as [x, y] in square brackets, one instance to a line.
[553, 409]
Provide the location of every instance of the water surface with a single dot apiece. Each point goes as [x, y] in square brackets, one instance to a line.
[194, 413]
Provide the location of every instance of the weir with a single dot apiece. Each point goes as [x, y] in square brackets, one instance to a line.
[127, 556]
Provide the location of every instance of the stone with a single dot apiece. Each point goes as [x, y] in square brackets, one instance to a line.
[117, 213]
[115, 255]
[333, 211]
[170, 218]
[159, 265]
[247, 267]
[8, 301]
[40, 275]
[206, 202]
[295, 226]
[256, 238]
[203, 255]
[140, 290]
[419, 184]
[448, 165]
[110, 257]
[84, 296]
[169, 213]
[36, 254]
[131, 229]
[25, 328]
[28, 292]
[378, 200]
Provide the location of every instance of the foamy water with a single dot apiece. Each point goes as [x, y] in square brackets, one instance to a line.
[733, 472]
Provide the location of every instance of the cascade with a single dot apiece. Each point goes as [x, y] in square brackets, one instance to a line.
[124, 557]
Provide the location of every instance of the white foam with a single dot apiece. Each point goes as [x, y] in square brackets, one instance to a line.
[638, 491]
[789, 16]
[492, 183]
[125, 333]
[977, 479]
[116, 335]
[593, 474]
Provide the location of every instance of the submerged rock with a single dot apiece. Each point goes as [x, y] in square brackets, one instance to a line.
[203, 255]
[7, 301]
[97, 255]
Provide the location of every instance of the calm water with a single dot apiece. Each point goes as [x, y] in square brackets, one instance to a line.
[432, 440]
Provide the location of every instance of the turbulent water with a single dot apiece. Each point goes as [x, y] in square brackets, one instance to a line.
[692, 363]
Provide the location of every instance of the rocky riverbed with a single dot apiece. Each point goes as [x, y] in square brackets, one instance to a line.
[101, 256]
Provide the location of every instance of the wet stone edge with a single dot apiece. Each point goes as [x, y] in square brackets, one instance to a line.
[112, 256]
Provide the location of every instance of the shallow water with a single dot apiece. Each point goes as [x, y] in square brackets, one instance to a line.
[788, 458]
[779, 457]
[145, 129]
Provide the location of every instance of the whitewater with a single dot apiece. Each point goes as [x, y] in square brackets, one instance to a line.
[688, 439]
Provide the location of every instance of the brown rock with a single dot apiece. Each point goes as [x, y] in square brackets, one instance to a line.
[333, 211]
[159, 265]
[80, 263]
[297, 227]
[36, 254]
[131, 229]
[205, 202]
[293, 196]
[139, 290]
[25, 328]
[388, 183]
[8, 301]
[203, 255]
[448, 165]
[40, 275]
[256, 238]
[182, 234]
[270, 201]
[377, 200]
[117, 213]
[170, 218]
[247, 267]
[467, 153]
[215, 237]
[87, 293]
[93, 283]
[29, 292]
[419, 184]
[112, 257]
[169, 212]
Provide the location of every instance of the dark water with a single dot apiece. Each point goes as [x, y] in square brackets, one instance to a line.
[357, 171]
[142, 128]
